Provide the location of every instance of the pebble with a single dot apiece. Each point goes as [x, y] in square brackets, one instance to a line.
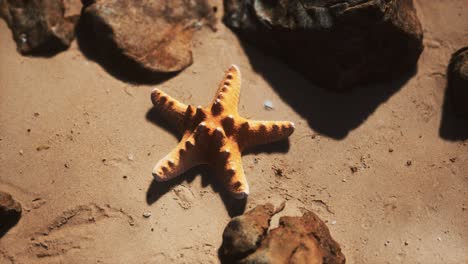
[409, 162]
[146, 214]
[42, 147]
[268, 105]
[20, 152]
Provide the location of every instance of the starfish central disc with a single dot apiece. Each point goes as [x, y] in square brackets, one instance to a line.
[215, 135]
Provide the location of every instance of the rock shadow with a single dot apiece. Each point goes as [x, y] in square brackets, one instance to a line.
[7, 223]
[452, 126]
[94, 44]
[330, 113]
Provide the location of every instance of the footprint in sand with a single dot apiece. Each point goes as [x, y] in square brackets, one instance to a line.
[78, 229]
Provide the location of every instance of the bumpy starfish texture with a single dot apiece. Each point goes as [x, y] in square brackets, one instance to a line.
[215, 135]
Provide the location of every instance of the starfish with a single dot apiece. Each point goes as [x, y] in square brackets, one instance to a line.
[215, 135]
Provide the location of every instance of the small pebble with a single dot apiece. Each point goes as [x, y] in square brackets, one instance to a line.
[390, 150]
[409, 162]
[130, 157]
[333, 222]
[406, 243]
[36, 114]
[42, 147]
[353, 169]
[268, 105]
[20, 152]
[125, 177]
[439, 239]
[343, 180]
[147, 214]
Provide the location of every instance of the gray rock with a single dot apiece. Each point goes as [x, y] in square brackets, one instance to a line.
[10, 212]
[41, 26]
[458, 82]
[157, 35]
[335, 43]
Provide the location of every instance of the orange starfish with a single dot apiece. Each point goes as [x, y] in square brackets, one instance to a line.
[216, 135]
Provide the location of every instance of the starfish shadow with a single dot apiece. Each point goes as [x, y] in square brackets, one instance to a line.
[157, 189]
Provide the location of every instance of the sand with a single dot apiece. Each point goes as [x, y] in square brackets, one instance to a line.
[83, 171]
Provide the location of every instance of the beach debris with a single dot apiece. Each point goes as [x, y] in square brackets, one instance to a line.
[458, 82]
[314, 37]
[10, 212]
[217, 135]
[42, 147]
[163, 38]
[147, 214]
[301, 239]
[41, 26]
[268, 105]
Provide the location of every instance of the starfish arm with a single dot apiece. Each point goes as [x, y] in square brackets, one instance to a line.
[253, 133]
[171, 109]
[227, 96]
[185, 156]
[229, 170]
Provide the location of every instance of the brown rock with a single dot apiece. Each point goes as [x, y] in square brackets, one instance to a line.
[244, 233]
[458, 82]
[41, 26]
[155, 34]
[298, 240]
[10, 212]
[335, 43]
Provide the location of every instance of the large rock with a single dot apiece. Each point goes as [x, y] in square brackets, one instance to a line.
[10, 212]
[458, 82]
[155, 34]
[41, 26]
[297, 240]
[335, 43]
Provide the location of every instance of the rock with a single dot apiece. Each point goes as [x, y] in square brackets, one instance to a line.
[10, 212]
[157, 35]
[458, 82]
[298, 240]
[244, 233]
[335, 43]
[41, 26]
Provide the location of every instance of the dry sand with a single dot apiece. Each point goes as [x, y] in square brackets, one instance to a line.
[86, 188]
